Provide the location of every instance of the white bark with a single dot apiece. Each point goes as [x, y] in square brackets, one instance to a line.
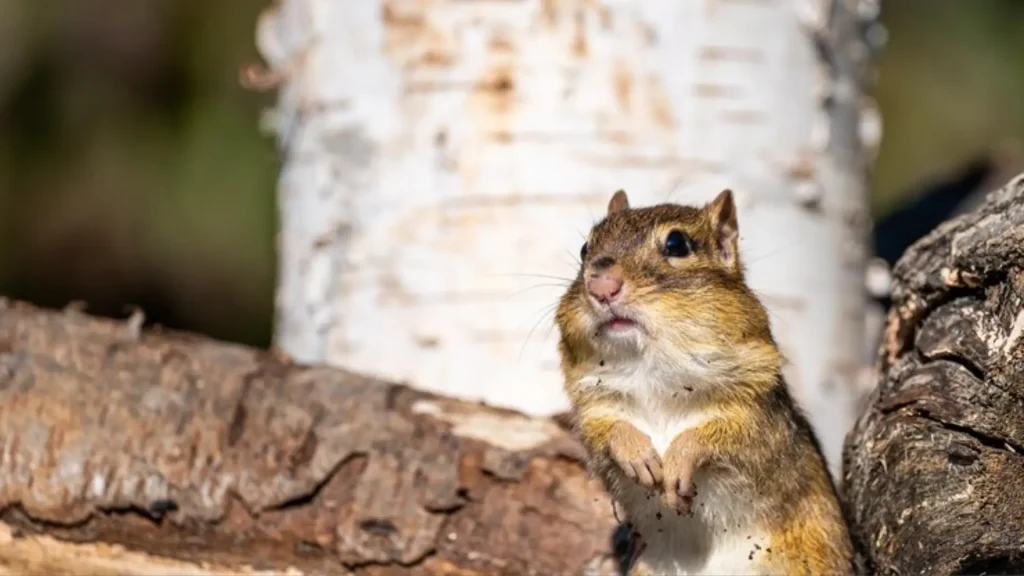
[437, 153]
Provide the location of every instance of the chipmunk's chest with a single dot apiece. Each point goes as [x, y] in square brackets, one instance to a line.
[657, 405]
[663, 426]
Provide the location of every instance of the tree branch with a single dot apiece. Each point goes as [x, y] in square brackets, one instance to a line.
[176, 446]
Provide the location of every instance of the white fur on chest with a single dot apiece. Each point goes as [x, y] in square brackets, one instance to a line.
[663, 426]
[659, 399]
[719, 537]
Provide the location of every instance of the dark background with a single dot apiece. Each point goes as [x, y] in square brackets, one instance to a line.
[132, 168]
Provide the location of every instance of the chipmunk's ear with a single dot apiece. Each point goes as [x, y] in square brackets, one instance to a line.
[725, 229]
[618, 203]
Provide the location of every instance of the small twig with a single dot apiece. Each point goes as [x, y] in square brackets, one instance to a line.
[258, 77]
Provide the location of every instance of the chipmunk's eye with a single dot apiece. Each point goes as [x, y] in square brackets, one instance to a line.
[677, 245]
[583, 252]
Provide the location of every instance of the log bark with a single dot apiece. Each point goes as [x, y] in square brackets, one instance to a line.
[130, 452]
[934, 469]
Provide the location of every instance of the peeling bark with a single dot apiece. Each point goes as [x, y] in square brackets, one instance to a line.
[934, 469]
[175, 448]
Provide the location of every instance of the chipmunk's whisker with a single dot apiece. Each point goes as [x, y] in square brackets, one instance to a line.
[534, 287]
[547, 312]
[547, 276]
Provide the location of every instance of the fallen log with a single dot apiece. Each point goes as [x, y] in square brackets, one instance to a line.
[934, 468]
[131, 452]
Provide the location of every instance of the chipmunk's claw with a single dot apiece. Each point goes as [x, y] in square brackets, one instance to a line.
[680, 464]
[644, 468]
[679, 494]
[633, 452]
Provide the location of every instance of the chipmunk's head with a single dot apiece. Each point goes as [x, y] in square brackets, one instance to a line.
[663, 280]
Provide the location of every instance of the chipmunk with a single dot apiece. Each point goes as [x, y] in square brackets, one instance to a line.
[678, 398]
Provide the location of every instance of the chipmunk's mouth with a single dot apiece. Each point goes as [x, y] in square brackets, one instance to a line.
[618, 324]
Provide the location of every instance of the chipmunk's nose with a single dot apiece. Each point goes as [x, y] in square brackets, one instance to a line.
[605, 282]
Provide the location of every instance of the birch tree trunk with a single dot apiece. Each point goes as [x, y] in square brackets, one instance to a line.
[443, 158]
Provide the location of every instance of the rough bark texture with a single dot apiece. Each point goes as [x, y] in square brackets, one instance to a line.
[934, 469]
[177, 447]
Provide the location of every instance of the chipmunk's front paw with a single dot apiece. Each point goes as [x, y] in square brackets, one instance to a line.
[632, 450]
[679, 492]
[681, 461]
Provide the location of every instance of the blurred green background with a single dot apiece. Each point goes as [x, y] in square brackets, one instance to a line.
[132, 169]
